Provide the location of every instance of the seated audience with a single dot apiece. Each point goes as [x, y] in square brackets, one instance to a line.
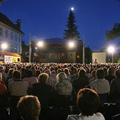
[82, 80]
[42, 90]
[30, 77]
[16, 86]
[115, 88]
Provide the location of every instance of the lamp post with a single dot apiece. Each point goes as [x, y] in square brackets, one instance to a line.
[30, 51]
[39, 44]
[83, 52]
[111, 50]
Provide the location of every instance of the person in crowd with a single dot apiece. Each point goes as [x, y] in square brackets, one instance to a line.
[115, 88]
[74, 73]
[16, 86]
[52, 79]
[101, 85]
[64, 86]
[9, 74]
[82, 80]
[16, 89]
[3, 87]
[110, 75]
[42, 90]
[30, 77]
[2, 71]
[88, 102]
[3, 93]
[93, 76]
[29, 107]
[63, 89]
[67, 72]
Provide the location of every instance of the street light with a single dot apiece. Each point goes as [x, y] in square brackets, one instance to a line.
[4, 46]
[111, 50]
[72, 8]
[71, 44]
[40, 44]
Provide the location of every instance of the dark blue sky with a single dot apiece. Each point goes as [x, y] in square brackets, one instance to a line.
[47, 18]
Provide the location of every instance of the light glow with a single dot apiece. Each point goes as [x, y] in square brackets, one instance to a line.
[72, 8]
[4, 46]
[111, 49]
[71, 44]
[41, 44]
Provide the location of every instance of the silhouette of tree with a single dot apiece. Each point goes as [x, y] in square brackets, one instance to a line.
[88, 55]
[114, 33]
[71, 31]
[1, 1]
[25, 52]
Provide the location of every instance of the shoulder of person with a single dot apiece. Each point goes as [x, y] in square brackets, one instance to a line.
[73, 117]
[100, 116]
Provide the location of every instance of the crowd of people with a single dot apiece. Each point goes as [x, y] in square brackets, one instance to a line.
[54, 91]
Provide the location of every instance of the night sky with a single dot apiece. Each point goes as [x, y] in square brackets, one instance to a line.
[48, 18]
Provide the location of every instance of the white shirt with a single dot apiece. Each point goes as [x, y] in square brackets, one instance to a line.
[97, 116]
[101, 86]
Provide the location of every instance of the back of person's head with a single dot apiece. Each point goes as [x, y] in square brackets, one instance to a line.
[1, 69]
[100, 73]
[61, 76]
[43, 78]
[73, 70]
[117, 73]
[66, 70]
[88, 101]
[10, 73]
[29, 107]
[16, 75]
[110, 71]
[82, 73]
[37, 72]
[29, 73]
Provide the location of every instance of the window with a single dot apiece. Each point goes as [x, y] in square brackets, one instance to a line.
[1, 31]
[11, 35]
[6, 33]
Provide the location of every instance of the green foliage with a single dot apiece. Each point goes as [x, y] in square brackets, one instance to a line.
[114, 33]
[118, 60]
[71, 31]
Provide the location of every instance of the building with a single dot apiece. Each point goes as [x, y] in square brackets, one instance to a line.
[11, 34]
[99, 57]
[56, 50]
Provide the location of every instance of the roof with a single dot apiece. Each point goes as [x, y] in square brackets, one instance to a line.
[4, 19]
[9, 54]
[55, 40]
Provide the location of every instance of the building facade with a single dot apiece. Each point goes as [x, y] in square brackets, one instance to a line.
[56, 51]
[11, 34]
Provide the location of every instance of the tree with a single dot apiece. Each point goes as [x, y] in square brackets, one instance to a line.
[25, 52]
[1, 1]
[114, 33]
[71, 31]
[88, 55]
